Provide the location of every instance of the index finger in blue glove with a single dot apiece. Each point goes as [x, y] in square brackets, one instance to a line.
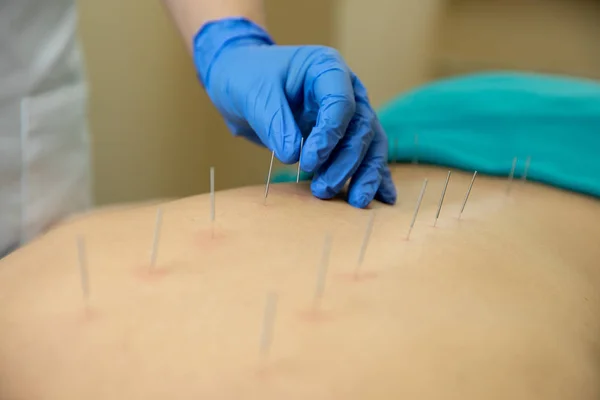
[347, 156]
[373, 178]
[387, 189]
[273, 121]
[333, 92]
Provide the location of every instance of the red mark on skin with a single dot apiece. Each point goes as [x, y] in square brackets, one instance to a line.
[70, 325]
[151, 274]
[264, 371]
[358, 276]
[211, 237]
[89, 314]
[315, 315]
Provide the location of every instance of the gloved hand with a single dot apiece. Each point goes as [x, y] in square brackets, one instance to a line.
[275, 95]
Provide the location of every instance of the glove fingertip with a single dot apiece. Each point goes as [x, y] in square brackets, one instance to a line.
[360, 201]
[309, 156]
[288, 148]
[308, 160]
[307, 164]
[322, 190]
[387, 190]
[286, 156]
[361, 194]
[386, 198]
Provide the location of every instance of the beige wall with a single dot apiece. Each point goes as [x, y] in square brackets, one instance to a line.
[149, 119]
[555, 36]
[388, 43]
[395, 45]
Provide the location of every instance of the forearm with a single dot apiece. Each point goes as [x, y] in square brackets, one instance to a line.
[190, 15]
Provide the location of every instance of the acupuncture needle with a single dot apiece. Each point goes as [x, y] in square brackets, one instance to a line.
[157, 227]
[365, 243]
[266, 337]
[467, 195]
[300, 158]
[212, 201]
[437, 215]
[269, 176]
[511, 175]
[420, 199]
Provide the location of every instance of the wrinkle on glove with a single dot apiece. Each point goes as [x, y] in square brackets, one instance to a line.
[482, 121]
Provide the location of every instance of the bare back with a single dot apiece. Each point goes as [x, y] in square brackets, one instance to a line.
[503, 303]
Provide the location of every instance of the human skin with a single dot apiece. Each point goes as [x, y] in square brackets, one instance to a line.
[190, 15]
[501, 304]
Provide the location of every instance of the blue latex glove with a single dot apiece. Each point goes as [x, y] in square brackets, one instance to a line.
[275, 95]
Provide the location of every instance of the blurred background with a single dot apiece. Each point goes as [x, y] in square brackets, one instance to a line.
[155, 133]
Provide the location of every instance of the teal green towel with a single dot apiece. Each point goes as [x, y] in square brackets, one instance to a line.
[483, 121]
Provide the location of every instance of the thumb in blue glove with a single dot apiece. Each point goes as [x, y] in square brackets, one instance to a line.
[274, 95]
